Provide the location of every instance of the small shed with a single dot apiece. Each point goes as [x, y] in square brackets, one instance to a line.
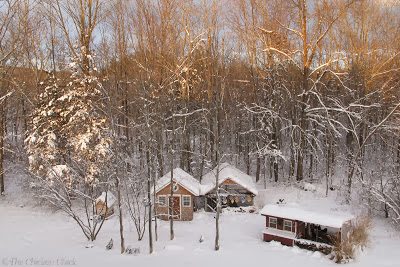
[185, 189]
[294, 225]
[104, 204]
[237, 189]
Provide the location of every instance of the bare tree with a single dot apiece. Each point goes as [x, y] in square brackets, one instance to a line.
[10, 37]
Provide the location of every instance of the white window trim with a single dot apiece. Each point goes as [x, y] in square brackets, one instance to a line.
[276, 222]
[165, 200]
[291, 225]
[175, 187]
[190, 201]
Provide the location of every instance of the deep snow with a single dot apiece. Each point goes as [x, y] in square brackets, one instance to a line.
[34, 234]
[27, 233]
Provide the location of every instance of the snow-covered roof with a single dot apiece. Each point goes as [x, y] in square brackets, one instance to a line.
[227, 171]
[182, 178]
[110, 199]
[294, 212]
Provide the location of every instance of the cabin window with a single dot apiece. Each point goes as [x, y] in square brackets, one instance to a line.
[287, 225]
[162, 200]
[186, 201]
[273, 222]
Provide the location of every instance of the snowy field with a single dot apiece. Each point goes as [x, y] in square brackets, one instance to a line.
[49, 238]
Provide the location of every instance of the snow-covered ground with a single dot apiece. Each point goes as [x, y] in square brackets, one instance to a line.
[31, 233]
[28, 234]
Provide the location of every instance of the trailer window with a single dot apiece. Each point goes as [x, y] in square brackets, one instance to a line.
[287, 225]
[273, 222]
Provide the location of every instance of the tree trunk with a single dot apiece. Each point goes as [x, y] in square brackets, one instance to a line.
[212, 142]
[159, 154]
[155, 211]
[247, 155]
[265, 173]
[302, 123]
[258, 169]
[150, 217]
[275, 146]
[276, 170]
[217, 147]
[217, 245]
[171, 200]
[202, 154]
[149, 161]
[328, 161]
[121, 225]
[350, 159]
[2, 186]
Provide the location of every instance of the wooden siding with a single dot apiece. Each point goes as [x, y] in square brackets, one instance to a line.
[102, 210]
[229, 182]
[186, 213]
[284, 241]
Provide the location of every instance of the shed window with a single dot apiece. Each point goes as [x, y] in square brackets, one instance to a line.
[175, 187]
[287, 225]
[186, 201]
[162, 200]
[273, 222]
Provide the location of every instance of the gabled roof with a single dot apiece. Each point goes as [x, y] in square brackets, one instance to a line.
[181, 177]
[227, 171]
[294, 212]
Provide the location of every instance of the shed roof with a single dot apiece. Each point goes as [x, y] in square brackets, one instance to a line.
[182, 178]
[227, 171]
[334, 220]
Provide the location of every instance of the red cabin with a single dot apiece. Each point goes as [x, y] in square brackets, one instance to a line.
[292, 225]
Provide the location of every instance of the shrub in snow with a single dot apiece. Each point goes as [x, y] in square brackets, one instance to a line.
[135, 204]
[342, 252]
[359, 235]
[308, 187]
[110, 244]
[90, 245]
[130, 250]
[356, 239]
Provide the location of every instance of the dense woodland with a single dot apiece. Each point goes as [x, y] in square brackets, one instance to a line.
[122, 91]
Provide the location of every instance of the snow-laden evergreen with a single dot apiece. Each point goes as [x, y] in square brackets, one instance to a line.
[69, 144]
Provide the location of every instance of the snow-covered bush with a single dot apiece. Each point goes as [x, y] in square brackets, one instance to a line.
[135, 189]
[380, 191]
[309, 187]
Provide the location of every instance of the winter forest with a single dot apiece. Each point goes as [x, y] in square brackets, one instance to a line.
[108, 96]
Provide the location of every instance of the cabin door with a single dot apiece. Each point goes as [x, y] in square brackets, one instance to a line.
[176, 207]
